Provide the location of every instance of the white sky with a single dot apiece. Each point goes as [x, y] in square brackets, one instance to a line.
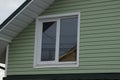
[7, 7]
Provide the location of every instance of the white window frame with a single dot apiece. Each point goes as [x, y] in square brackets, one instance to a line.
[38, 40]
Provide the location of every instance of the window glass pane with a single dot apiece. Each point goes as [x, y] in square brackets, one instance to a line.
[68, 39]
[48, 41]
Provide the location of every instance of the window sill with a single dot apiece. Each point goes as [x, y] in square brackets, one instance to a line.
[72, 64]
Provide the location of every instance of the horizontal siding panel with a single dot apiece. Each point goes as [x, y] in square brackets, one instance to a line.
[66, 72]
[101, 23]
[62, 69]
[90, 14]
[21, 59]
[86, 6]
[107, 35]
[104, 14]
[100, 47]
[23, 41]
[20, 62]
[100, 19]
[21, 51]
[109, 58]
[99, 51]
[23, 45]
[83, 2]
[100, 43]
[114, 26]
[25, 36]
[82, 55]
[82, 64]
[102, 54]
[99, 39]
[100, 31]
[28, 33]
[97, 63]
[25, 54]
[91, 68]
[23, 48]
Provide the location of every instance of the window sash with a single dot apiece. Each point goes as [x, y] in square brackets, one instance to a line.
[57, 49]
[41, 23]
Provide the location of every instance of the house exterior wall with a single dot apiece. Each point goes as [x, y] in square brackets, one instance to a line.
[99, 39]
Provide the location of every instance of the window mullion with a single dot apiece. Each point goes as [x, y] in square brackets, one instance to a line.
[57, 41]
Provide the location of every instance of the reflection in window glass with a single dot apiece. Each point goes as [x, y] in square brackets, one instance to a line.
[48, 41]
[68, 39]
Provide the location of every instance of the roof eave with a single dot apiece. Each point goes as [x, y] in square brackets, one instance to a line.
[17, 11]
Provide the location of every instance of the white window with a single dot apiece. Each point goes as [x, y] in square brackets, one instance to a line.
[57, 41]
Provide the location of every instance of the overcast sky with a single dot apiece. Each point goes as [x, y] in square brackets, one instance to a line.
[7, 7]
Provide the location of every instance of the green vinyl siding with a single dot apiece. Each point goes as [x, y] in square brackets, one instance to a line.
[99, 39]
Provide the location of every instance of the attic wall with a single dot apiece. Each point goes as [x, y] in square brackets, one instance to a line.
[99, 39]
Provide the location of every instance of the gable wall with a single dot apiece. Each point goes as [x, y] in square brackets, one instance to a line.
[99, 39]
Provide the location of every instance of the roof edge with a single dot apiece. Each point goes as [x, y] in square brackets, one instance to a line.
[14, 13]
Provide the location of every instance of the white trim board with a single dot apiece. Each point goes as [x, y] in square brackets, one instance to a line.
[6, 62]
